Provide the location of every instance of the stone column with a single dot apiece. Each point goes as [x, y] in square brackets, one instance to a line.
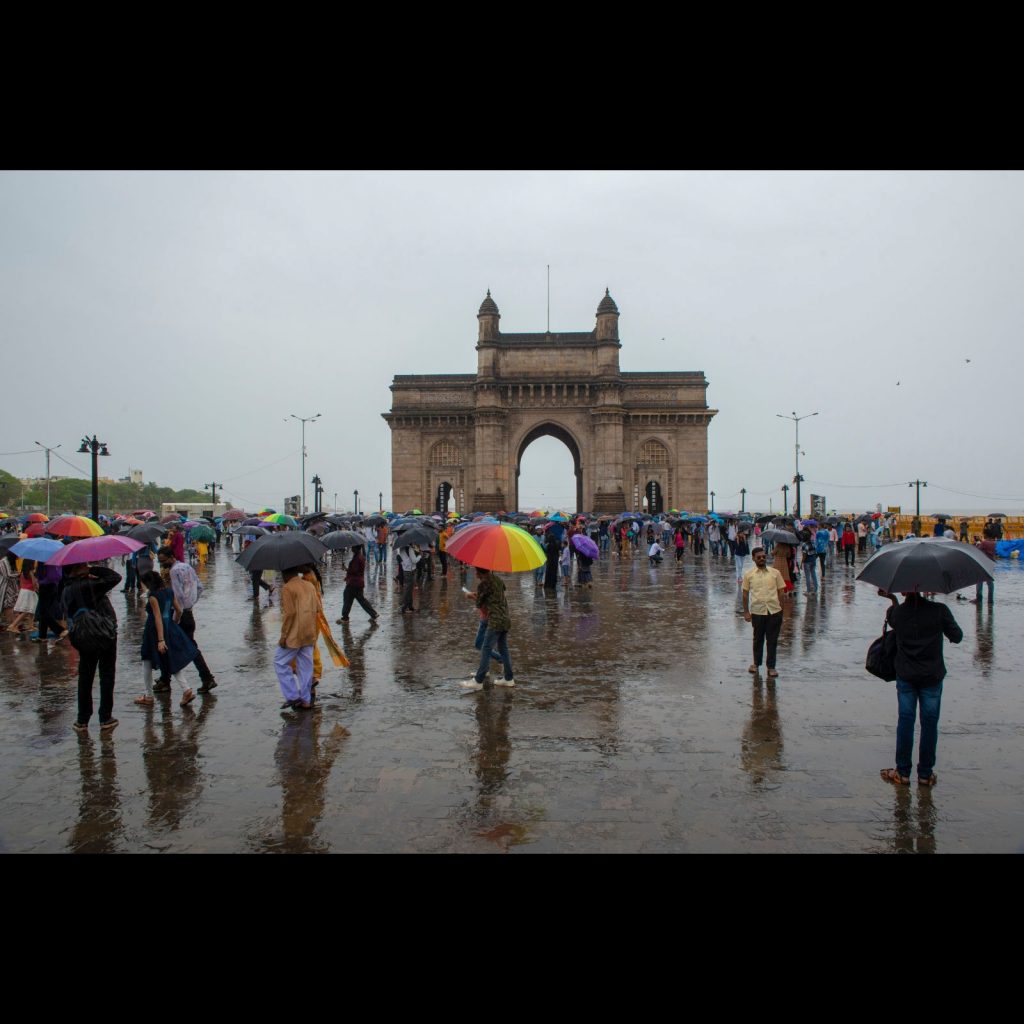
[493, 484]
[608, 469]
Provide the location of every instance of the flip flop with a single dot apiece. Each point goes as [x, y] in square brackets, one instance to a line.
[188, 698]
[930, 781]
[893, 776]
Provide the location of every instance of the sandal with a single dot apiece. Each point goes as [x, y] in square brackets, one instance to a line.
[893, 776]
[930, 781]
[753, 670]
[188, 697]
[144, 700]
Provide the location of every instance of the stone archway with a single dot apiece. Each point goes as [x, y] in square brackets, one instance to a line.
[623, 429]
[560, 433]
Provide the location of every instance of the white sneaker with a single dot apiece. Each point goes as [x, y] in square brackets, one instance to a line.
[471, 684]
[504, 682]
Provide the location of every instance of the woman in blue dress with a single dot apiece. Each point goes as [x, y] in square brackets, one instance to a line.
[163, 640]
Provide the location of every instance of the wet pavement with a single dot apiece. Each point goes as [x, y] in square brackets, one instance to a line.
[634, 727]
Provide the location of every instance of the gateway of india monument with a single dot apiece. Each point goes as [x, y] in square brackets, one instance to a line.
[638, 440]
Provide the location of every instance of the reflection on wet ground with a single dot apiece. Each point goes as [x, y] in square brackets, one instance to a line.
[634, 727]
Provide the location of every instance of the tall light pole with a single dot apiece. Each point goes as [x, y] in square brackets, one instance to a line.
[355, 502]
[917, 518]
[743, 499]
[797, 479]
[213, 489]
[335, 502]
[712, 501]
[47, 450]
[304, 420]
[785, 499]
[97, 448]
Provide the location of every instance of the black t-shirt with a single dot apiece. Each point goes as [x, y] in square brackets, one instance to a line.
[919, 626]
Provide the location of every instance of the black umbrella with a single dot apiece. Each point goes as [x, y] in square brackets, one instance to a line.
[281, 551]
[311, 517]
[6, 543]
[343, 539]
[418, 535]
[147, 533]
[374, 521]
[779, 537]
[995, 515]
[931, 565]
[252, 531]
[941, 515]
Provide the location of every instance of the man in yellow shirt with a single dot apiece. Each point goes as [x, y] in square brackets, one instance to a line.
[299, 605]
[763, 590]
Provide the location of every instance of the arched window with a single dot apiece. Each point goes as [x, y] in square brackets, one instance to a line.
[654, 453]
[445, 453]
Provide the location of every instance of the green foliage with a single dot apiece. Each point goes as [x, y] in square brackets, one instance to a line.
[75, 495]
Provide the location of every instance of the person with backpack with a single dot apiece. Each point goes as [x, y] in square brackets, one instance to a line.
[92, 623]
[187, 591]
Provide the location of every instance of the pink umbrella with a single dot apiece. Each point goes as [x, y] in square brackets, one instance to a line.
[95, 549]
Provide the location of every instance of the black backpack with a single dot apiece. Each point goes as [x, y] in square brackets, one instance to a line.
[90, 631]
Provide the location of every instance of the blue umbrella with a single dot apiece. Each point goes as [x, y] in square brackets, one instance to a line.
[39, 549]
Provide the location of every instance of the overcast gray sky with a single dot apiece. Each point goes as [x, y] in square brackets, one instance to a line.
[183, 316]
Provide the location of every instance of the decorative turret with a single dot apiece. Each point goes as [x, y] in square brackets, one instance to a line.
[607, 319]
[488, 317]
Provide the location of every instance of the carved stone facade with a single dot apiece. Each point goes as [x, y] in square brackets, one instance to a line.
[625, 431]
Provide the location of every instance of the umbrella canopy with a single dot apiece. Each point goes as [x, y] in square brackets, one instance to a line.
[418, 535]
[266, 511]
[414, 512]
[252, 521]
[35, 529]
[377, 520]
[559, 517]
[584, 545]
[233, 514]
[39, 549]
[7, 542]
[281, 551]
[250, 531]
[144, 513]
[203, 533]
[37, 517]
[779, 537]
[146, 534]
[95, 549]
[74, 526]
[941, 515]
[500, 547]
[927, 565]
[343, 539]
[318, 528]
[173, 518]
[995, 515]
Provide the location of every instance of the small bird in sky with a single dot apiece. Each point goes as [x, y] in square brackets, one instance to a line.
[897, 383]
[967, 360]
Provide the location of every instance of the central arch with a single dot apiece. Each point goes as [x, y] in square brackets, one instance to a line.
[560, 433]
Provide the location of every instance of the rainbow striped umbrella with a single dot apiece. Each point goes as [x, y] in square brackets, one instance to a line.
[73, 526]
[278, 519]
[500, 547]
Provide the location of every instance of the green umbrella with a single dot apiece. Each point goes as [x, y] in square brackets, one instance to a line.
[203, 533]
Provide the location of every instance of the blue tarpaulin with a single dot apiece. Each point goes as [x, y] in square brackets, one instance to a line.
[1006, 548]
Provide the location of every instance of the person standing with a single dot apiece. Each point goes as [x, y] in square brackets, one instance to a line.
[848, 543]
[47, 611]
[740, 552]
[862, 538]
[919, 625]
[187, 590]
[176, 542]
[299, 605]
[763, 591]
[491, 600]
[809, 561]
[86, 588]
[408, 557]
[442, 547]
[781, 560]
[964, 531]
[355, 581]
[988, 548]
[821, 547]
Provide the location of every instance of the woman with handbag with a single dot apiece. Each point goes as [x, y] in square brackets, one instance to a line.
[164, 642]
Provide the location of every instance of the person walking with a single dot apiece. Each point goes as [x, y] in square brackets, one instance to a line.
[821, 547]
[8, 587]
[299, 607]
[442, 547]
[741, 550]
[164, 642]
[187, 590]
[28, 598]
[763, 591]
[86, 588]
[781, 561]
[680, 543]
[47, 610]
[809, 561]
[355, 581]
[490, 599]
[848, 542]
[919, 625]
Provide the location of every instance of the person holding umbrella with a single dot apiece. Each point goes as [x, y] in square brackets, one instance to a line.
[86, 588]
[492, 604]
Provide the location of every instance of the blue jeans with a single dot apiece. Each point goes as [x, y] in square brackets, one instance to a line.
[478, 643]
[492, 639]
[991, 591]
[930, 699]
[811, 572]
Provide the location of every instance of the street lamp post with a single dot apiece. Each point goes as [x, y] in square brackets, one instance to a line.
[304, 420]
[212, 488]
[96, 448]
[380, 501]
[785, 499]
[743, 499]
[712, 501]
[797, 478]
[47, 450]
[917, 518]
[317, 491]
[335, 502]
[355, 502]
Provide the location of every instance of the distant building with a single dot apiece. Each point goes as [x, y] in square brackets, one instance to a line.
[194, 508]
[293, 505]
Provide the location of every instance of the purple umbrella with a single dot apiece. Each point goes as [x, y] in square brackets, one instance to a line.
[95, 549]
[584, 545]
